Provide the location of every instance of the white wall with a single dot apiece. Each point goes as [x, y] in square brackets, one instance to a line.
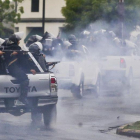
[27, 10]
[53, 9]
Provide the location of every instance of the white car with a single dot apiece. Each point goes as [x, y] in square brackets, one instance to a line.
[124, 68]
[78, 76]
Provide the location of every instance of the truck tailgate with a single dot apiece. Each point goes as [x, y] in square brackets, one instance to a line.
[39, 86]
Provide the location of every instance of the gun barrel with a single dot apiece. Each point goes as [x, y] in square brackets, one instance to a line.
[52, 63]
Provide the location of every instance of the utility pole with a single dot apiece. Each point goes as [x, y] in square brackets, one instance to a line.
[16, 6]
[43, 17]
[121, 12]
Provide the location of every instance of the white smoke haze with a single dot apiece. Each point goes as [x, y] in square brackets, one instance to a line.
[99, 53]
[105, 51]
[104, 54]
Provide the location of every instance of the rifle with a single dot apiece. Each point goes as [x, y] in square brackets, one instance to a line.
[8, 49]
[16, 51]
[52, 63]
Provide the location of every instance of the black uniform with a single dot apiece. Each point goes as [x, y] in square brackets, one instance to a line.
[38, 56]
[41, 60]
[74, 44]
[14, 65]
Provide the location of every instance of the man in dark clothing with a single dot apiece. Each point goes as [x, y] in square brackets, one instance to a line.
[46, 41]
[36, 49]
[58, 49]
[2, 64]
[12, 60]
[47, 47]
[75, 50]
[46, 35]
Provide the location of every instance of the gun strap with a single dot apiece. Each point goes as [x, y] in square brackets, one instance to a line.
[12, 62]
[34, 60]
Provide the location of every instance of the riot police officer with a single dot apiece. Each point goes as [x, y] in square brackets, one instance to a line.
[36, 49]
[75, 49]
[12, 60]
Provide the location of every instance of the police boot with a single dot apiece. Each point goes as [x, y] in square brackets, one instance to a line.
[23, 92]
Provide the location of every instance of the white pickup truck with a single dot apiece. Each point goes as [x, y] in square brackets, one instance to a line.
[122, 68]
[78, 76]
[42, 95]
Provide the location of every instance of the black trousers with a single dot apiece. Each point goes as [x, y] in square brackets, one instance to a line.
[20, 75]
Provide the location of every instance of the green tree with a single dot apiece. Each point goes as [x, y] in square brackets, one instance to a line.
[80, 13]
[9, 14]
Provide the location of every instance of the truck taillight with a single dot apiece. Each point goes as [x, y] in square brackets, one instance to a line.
[53, 81]
[71, 70]
[122, 63]
[53, 85]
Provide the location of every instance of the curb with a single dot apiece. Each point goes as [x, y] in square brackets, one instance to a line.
[128, 132]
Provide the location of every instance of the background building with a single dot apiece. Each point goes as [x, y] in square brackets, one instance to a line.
[31, 20]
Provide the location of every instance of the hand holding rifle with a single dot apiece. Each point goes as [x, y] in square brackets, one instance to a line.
[33, 71]
[14, 53]
[52, 63]
[1, 52]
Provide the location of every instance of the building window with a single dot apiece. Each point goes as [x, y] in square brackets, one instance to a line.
[35, 6]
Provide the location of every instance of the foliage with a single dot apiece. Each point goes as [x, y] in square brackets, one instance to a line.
[80, 13]
[134, 126]
[8, 13]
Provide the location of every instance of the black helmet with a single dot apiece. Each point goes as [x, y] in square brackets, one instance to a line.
[47, 35]
[35, 38]
[32, 39]
[36, 47]
[14, 38]
[72, 39]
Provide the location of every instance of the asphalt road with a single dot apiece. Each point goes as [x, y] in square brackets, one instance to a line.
[90, 118]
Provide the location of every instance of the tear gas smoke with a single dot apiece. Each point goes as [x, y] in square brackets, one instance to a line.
[105, 50]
